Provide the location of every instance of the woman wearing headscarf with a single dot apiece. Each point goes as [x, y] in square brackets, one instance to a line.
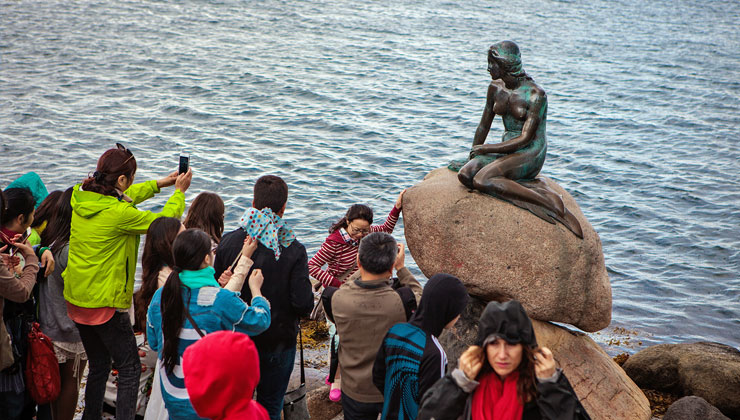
[411, 360]
[505, 376]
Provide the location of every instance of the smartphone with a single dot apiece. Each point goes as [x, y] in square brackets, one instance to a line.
[21, 239]
[184, 163]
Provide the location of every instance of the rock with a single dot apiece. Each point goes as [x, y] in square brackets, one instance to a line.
[602, 386]
[319, 406]
[693, 408]
[314, 377]
[503, 252]
[707, 370]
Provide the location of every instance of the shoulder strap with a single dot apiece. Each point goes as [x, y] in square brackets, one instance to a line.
[303, 371]
[190, 318]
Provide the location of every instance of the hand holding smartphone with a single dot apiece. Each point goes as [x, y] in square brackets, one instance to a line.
[184, 163]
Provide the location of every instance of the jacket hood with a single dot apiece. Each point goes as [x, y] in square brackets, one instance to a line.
[87, 204]
[506, 320]
[33, 182]
[221, 372]
[443, 299]
[336, 236]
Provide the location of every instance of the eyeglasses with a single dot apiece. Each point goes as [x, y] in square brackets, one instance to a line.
[356, 231]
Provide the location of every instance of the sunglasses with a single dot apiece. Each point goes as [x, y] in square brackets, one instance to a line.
[119, 146]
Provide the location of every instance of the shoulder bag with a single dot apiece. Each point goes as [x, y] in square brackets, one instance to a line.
[295, 404]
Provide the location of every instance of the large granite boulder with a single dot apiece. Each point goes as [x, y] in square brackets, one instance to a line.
[604, 389]
[502, 252]
[707, 370]
[693, 408]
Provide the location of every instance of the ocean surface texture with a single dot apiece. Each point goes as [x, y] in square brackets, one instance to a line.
[354, 101]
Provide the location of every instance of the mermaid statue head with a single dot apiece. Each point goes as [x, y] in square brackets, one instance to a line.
[506, 55]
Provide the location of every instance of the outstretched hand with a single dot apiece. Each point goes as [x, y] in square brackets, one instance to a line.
[399, 200]
[168, 180]
[249, 246]
[544, 363]
[182, 182]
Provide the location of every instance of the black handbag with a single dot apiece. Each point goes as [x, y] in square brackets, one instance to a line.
[295, 404]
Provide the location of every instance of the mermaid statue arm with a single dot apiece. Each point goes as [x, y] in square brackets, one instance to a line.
[485, 121]
[539, 100]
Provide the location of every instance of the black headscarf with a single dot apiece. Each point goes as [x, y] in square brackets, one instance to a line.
[506, 320]
[443, 299]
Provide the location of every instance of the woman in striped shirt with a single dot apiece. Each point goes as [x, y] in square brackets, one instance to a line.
[339, 254]
[339, 250]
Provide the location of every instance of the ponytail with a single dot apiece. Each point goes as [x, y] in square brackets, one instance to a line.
[173, 316]
[188, 250]
[111, 165]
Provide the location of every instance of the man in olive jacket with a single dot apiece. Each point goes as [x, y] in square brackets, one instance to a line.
[364, 309]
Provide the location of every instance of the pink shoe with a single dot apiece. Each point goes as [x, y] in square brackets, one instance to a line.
[326, 381]
[335, 395]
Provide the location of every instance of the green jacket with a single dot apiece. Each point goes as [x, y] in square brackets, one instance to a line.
[104, 244]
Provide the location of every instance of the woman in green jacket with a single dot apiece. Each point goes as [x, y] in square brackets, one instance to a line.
[99, 279]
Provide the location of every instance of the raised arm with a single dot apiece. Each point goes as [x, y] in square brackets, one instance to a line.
[534, 116]
[487, 118]
[404, 275]
[391, 220]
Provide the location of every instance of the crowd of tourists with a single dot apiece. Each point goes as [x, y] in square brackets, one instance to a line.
[211, 329]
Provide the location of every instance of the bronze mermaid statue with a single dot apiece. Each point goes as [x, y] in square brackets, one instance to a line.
[509, 169]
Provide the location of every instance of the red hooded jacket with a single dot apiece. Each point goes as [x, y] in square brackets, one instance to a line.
[221, 372]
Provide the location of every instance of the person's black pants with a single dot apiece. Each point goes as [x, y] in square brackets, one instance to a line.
[355, 410]
[114, 341]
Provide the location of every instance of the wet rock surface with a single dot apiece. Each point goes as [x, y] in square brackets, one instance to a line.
[707, 370]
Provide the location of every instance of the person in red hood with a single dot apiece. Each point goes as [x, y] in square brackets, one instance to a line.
[221, 371]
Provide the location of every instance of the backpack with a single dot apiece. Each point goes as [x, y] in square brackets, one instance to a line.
[42, 368]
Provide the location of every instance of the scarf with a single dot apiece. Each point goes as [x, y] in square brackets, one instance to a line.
[195, 279]
[268, 228]
[496, 400]
[346, 238]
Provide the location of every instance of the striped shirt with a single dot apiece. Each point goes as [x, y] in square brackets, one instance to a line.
[339, 254]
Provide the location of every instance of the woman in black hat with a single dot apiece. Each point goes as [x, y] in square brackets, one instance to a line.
[505, 376]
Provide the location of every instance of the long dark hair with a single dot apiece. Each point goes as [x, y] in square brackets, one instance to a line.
[188, 250]
[356, 211]
[18, 201]
[157, 253]
[111, 165]
[47, 208]
[56, 234]
[527, 385]
[207, 213]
